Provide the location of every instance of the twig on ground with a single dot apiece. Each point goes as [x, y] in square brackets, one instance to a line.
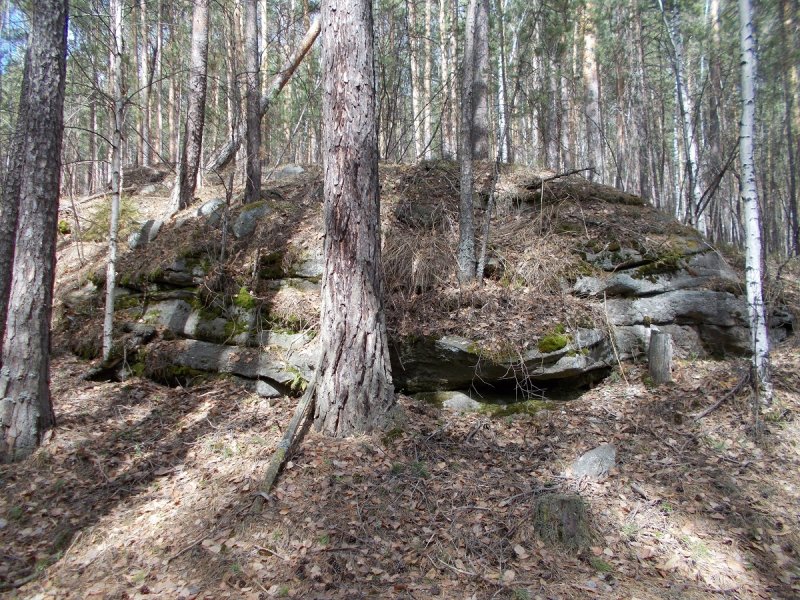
[743, 380]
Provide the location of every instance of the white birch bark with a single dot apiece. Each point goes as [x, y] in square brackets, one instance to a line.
[117, 53]
[427, 115]
[753, 260]
[415, 91]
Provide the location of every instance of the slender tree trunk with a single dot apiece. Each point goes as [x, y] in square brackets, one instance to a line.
[26, 410]
[427, 115]
[480, 85]
[118, 102]
[448, 135]
[252, 64]
[183, 191]
[591, 82]
[417, 131]
[355, 390]
[466, 228]
[754, 253]
[789, 99]
[159, 89]
[502, 81]
[144, 85]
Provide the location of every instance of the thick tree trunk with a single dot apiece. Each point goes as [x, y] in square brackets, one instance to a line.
[252, 188]
[183, 192]
[26, 410]
[754, 254]
[355, 381]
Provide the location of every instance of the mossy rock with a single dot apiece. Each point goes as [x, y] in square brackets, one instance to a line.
[244, 299]
[553, 342]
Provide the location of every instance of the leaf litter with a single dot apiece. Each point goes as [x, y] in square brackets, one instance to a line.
[145, 491]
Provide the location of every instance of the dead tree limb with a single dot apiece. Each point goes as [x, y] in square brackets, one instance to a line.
[284, 446]
[743, 381]
[228, 151]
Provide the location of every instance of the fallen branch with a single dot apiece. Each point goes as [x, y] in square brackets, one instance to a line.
[743, 381]
[287, 441]
[560, 175]
[228, 151]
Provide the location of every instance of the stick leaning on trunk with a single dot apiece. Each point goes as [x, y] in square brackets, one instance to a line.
[285, 445]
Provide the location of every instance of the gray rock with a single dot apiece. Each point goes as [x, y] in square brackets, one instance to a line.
[265, 390]
[212, 211]
[247, 220]
[452, 363]
[595, 463]
[218, 358]
[312, 266]
[146, 234]
[700, 270]
[460, 403]
[285, 171]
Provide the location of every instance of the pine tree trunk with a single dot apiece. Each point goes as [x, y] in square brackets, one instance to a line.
[9, 209]
[754, 254]
[252, 64]
[594, 133]
[480, 84]
[466, 226]
[355, 390]
[144, 85]
[26, 410]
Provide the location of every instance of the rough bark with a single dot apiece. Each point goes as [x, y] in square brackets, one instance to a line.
[9, 209]
[252, 188]
[186, 181]
[465, 255]
[26, 410]
[145, 77]
[355, 390]
[222, 158]
[753, 250]
[480, 84]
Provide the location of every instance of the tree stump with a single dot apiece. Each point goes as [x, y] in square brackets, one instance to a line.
[660, 357]
[562, 519]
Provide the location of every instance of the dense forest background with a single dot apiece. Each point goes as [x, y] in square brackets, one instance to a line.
[645, 93]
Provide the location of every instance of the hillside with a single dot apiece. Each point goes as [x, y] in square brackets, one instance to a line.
[145, 488]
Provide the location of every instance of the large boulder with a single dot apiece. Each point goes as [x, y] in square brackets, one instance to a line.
[247, 220]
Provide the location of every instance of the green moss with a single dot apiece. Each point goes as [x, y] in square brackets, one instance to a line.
[137, 369]
[390, 436]
[252, 205]
[151, 317]
[669, 262]
[127, 301]
[64, 228]
[553, 342]
[244, 299]
[234, 327]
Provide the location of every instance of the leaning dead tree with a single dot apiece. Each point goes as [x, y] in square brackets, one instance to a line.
[228, 151]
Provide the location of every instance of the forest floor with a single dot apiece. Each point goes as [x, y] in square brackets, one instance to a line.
[145, 491]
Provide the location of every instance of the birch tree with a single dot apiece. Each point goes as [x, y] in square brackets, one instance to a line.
[752, 219]
[189, 164]
[118, 108]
